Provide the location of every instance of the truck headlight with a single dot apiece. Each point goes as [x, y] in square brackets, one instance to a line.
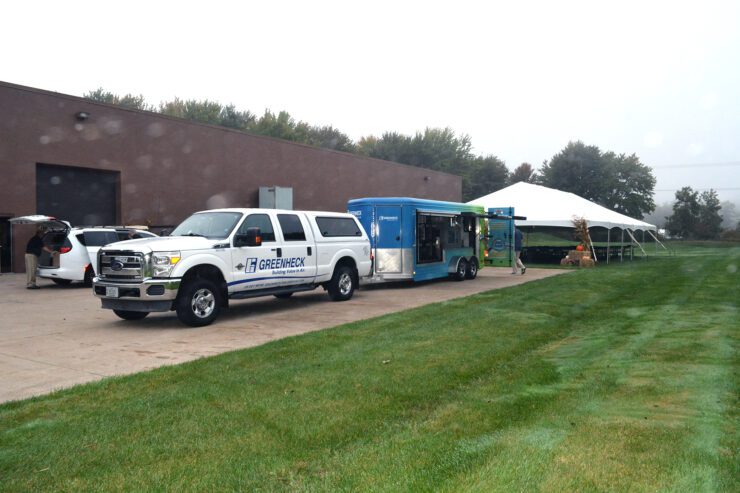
[164, 262]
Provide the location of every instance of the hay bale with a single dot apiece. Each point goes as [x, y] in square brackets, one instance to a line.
[587, 262]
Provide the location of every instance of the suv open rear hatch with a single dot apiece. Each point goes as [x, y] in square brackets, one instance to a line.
[48, 222]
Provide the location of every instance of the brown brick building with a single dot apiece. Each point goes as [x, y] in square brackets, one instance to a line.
[93, 163]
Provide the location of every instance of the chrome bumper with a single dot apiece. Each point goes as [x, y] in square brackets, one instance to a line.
[149, 290]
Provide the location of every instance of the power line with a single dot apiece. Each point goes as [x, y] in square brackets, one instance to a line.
[698, 165]
[698, 189]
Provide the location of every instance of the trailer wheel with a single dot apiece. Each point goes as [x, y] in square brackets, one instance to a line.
[461, 271]
[472, 271]
[342, 284]
[198, 303]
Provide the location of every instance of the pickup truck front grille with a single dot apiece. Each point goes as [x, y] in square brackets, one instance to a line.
[121, 266]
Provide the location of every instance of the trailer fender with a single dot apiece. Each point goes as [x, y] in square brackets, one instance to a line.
[457, 268]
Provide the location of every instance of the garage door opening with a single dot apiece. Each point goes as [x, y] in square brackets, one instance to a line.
[79, 195]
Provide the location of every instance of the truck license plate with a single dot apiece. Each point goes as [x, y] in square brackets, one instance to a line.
[111, 291]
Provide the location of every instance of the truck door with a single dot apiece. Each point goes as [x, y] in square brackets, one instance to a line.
[389, 238]
[298, 250]
[251, 267]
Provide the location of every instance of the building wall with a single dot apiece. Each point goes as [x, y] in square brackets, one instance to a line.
[171, 167]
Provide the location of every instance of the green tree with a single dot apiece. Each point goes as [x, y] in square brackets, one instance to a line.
[280, 126]
[619, 182]
[483, 175]
[524, 172]
[129, 100]
[579, 169]
[709, 225]
[230, 117]
[328, 137]
[199, 111]
[682, 222]
[632, 185]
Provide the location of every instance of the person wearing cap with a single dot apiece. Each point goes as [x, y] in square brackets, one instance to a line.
[34, 248]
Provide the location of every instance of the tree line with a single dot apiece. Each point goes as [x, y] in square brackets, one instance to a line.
[619, 182]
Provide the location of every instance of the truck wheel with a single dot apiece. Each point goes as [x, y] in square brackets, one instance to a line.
[462, 269]
[342, 284]
[198, 303]
[472, 271]
[129, 315]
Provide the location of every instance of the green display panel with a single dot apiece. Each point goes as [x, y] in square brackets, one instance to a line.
[500, 245]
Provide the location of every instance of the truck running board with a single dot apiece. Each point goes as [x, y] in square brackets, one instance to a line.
[254, 293]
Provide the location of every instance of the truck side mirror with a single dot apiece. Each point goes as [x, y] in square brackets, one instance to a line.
[253, 238]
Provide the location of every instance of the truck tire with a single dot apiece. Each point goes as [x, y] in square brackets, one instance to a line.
[472, 271]
[198, 303]
[129, 315]
[461, 270]
[342, 284]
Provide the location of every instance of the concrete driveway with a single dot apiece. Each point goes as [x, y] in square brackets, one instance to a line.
[57, 336]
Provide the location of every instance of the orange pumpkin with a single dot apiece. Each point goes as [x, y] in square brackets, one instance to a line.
[579, 248]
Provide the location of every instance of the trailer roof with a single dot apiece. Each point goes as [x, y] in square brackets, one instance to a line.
[424, 204]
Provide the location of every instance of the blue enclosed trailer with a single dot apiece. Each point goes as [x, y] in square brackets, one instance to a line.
[421, 239]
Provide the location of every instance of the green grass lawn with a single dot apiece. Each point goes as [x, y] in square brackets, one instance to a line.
[619, 378]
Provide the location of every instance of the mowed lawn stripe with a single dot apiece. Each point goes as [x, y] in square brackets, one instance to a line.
[618, 378]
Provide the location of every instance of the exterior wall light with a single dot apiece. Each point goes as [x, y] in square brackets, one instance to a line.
[81, 116]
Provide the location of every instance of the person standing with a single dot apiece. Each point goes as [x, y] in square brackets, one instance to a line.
[517, 264]
[34, 248]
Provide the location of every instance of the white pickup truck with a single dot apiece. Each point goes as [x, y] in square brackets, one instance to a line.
[217, 255]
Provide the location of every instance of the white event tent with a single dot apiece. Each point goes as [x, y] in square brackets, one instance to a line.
[544, 206]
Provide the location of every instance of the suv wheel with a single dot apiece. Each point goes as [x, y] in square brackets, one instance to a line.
[89, 274]
[342, 284]
[198, 303]
[129, 315]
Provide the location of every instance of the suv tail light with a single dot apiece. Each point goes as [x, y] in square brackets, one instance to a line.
[65, 249]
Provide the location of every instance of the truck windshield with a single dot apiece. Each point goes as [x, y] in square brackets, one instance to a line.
[212, 225]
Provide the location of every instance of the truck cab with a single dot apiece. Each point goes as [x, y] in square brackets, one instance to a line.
[225, 254]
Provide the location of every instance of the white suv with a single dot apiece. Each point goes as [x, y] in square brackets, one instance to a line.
[78, 247]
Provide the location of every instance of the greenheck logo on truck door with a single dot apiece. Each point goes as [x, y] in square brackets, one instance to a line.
[296, 264]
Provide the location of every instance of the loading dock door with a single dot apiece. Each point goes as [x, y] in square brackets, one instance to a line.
[80, 196]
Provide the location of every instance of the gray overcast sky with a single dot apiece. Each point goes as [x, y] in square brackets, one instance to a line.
[660, 79]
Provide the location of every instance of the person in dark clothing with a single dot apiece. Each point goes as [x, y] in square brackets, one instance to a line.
[517, 264]
[34, 247]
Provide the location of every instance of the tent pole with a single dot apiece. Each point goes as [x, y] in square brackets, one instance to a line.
[657, 242]
[621, 248]
[632, 237]
[608, 233]
[593, 250]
